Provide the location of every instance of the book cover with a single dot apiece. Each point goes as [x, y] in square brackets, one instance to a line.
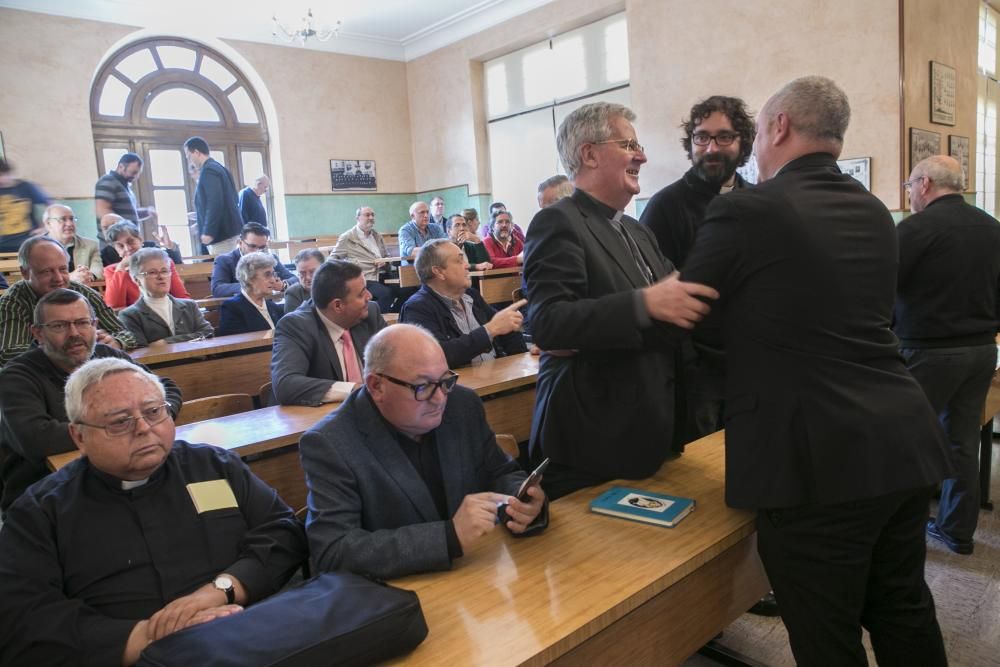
[645, 506]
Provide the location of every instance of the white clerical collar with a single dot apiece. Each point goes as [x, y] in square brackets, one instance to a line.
[129, 485]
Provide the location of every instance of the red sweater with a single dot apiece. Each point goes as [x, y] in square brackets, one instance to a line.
[499, 258]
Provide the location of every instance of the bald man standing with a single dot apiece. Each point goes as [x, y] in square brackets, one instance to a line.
[947, 317]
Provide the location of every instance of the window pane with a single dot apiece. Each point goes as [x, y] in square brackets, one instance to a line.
[216, 73]
[616, 52]
[166, 168]
[111, 157]
[496, 89]
[536, 68]
[245, 112]
[113, 98]
[514, 177]
[253, 166]
[137, 65]
[171, 206]
[569, 61]
[219, 157]
[182, 104]
[176, 57]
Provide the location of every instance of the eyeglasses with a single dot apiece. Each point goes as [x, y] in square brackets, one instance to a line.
[124, 425]
[66, 218]
[721, 139]
[630, 145]
[424, 392]
[154, 274]
[62, 326]
[913, 181]
[256, 248]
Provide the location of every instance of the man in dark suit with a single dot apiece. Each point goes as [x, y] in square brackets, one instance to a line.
[253, 238]
[467, 327]
[946, 319]
[828, 436]
[600, 294]
[406, 475]
[219, 219]
[317, 348]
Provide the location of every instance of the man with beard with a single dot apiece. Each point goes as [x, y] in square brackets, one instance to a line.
[504, 248]
[113, 194]
[33, 421]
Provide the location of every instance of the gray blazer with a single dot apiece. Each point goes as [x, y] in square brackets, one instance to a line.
[351, 247]
[304, 361]
[370, 511]
[148, 327]
[295, 295]
[87, 253]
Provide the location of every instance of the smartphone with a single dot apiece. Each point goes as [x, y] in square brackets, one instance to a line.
[532, 480]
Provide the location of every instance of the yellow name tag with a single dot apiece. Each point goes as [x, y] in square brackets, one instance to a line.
[213, 495]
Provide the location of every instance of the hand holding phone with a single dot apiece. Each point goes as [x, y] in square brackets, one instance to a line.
[534, 479]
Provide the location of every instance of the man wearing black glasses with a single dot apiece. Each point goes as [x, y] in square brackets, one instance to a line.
[407, 474]
[33, 421]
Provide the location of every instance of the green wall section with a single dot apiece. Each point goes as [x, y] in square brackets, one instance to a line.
[84, 210]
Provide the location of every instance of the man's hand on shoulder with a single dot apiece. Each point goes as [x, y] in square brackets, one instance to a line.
[674, 301]
[476, 516]
[507, 320]
[522, 514]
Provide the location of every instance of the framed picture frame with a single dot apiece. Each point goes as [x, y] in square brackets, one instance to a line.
[353, 175]
[942, 94]
[958, 148]
[859, 168]
[923, 144]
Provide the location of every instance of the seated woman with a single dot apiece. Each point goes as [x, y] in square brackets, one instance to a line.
[158, 315]
[471, 216]
[120, 289]
[251, 310]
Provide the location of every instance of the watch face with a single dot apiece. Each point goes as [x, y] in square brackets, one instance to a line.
[223, 583]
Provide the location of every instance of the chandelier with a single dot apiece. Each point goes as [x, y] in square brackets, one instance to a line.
[305, 32]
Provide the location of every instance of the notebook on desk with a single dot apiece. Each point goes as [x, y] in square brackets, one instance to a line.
[645, 506]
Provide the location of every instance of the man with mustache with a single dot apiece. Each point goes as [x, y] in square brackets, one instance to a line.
[33, 422]
[504, 248]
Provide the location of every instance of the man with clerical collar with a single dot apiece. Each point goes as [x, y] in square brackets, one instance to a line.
[140, 537]
[417, 231]
[317, 348]
[504, 247]
[45, 267]
[475, 252]
[602, 297]
[407, 474]
[253, 238]
[33, 422]
[468, 328]
[84, 256]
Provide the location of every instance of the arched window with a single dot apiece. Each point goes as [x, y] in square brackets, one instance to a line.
[152, 95]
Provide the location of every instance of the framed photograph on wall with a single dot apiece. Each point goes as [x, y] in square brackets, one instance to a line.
[859, 168]
[353, 175]
[923, 143]
[942, 94]
[958, 148]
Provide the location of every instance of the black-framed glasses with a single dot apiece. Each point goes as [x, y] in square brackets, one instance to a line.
[721, 139]
[62, 326]
[424, 391]
[913, 181]
[631, 145]
[254, 247]
[124, 425]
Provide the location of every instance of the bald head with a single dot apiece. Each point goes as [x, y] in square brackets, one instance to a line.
[60, 223]
[932, 178]
[109, 219]
[400, 341]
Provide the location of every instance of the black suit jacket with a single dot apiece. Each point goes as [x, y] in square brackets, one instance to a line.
[215, 202]
[426, 309]
[304, 362]
[606, 409]
[237, 315]
[819, 406]
[224, 282]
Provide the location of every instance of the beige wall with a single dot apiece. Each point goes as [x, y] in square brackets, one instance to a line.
[946, 33]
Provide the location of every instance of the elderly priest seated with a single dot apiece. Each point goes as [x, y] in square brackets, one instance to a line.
[140, 538]
[407, 474]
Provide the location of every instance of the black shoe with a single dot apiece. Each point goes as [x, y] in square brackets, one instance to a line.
[963, 547]
[766, 606]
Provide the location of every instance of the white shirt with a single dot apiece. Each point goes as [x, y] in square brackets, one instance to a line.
[338, 391]
[262, 309]
[163, 307]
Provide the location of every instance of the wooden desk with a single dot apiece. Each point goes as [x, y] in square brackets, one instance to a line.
[496, 285]
[598, 590]
[240, 363]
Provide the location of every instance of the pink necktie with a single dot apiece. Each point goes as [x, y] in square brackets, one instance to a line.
[350, 359]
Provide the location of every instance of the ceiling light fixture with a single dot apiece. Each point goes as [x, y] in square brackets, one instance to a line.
[305, 32]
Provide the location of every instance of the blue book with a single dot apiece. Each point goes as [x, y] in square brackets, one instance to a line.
[645, 506]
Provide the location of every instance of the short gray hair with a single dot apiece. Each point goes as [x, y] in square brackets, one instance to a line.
[142, 256]
[24, 252]
[943, 171]
[429, 256]
[381, 349]
[93, 372]
[587, 125]
[816, 107]
[250, 264]
[119, 229]
[553, 181]
[309, 253]
[414, 205]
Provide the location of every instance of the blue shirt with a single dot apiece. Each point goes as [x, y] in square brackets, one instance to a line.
[410, 237]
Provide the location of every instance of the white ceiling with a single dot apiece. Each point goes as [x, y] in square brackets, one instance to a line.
[391, 29]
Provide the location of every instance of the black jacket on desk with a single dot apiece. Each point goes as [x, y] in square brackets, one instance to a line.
[819, 405]
[949, 272]
[430, 311]
[238, 315]
[33, 421]
[607, 407]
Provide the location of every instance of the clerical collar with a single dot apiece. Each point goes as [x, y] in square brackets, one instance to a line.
[608, 212]
[128, 486]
